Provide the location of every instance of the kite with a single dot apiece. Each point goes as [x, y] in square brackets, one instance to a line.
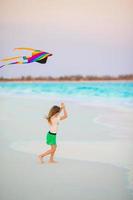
[37, 56]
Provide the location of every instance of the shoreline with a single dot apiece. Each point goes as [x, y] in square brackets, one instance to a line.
[104, 104]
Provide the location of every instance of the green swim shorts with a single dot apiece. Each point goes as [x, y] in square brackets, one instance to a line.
[51, 138]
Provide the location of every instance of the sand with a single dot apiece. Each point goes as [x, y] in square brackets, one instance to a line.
[94, 153]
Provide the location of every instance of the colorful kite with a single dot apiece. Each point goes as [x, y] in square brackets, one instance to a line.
[37, 56]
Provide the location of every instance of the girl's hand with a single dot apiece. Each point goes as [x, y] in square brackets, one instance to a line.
[62, 105]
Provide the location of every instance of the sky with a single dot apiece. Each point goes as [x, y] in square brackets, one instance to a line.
[87, 37]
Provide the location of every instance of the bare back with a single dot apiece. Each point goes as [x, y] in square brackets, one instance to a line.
[53, 126]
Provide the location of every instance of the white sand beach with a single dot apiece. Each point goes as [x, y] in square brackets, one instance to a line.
[94, 152]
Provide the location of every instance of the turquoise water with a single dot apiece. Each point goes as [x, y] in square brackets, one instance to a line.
[118, 92]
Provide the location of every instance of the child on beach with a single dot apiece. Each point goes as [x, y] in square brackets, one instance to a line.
[53, 119]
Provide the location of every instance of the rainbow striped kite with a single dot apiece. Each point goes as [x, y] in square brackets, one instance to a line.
[37, 56]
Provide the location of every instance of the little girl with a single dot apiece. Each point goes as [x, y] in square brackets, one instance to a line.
[53, 121]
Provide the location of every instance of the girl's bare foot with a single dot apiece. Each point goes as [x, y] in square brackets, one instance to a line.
[40, 159]
[53, 161]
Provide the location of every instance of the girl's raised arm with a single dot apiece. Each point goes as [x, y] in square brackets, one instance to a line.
[65, 115]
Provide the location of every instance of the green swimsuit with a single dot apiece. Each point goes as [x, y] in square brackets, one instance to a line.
[51, 138]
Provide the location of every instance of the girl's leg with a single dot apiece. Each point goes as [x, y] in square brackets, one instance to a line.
[40, 157]
[50, 151]
[53, 149]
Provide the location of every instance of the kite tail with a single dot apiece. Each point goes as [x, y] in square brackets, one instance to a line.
[8, 59]
[2, 66]
[9, 64]
[12, 63]
[25, 48]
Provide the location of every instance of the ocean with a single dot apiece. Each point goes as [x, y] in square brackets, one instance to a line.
[109, 93]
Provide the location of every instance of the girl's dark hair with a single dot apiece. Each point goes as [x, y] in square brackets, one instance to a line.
[55, 109]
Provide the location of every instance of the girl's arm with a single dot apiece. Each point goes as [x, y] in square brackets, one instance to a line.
[64, 116]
